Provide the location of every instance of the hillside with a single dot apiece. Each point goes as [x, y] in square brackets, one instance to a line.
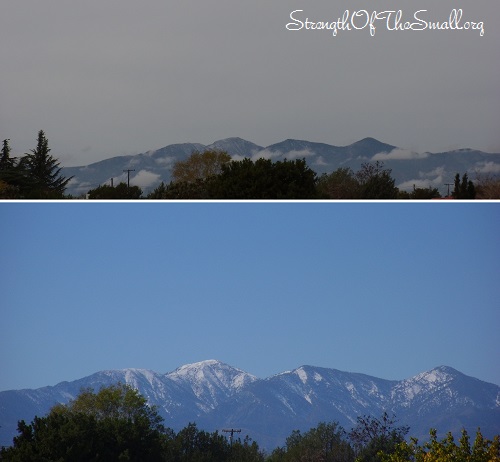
[408, 167]
[216, 395]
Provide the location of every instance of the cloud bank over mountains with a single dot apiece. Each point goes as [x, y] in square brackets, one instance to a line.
[399, 154]
[409, 168]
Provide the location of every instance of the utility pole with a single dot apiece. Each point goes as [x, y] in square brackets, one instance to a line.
[232, 431]
[128, 176]
[448, 184]
[111, 182]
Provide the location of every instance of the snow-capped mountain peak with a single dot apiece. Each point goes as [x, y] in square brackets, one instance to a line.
[216, 395]
[212, 370]
[210, 380]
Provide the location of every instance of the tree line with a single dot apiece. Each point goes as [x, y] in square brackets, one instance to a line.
[36, 175]
[117, 424]
[213, 175]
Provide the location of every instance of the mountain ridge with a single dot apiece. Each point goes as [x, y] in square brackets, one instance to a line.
[422, 169]
[216, 395]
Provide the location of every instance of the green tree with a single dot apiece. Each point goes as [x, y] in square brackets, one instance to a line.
[446, 450]
[121, 191]
[464, 189]
[326, 442]
[6, 162]
[194, 445]
[200, 166]
[246, 451]
[43, 179]
[264, 179]
[376, 182]
[371, 181]
[372, 436]
[198, 189]
[11, 177]
[340, 184]
[420, 194]
[114, 424]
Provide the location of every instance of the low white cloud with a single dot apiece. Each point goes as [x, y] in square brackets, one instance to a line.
[437, 172]
[237, 157]
[400, 154]
[419, 183]
[320, 161]
[87, 169]
[133, 161]
[145, 178]
[165, 161]
[265, 154]
[487, 167]
[431, 179]
[79, 187]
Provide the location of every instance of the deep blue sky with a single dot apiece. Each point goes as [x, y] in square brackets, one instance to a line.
[389, 290]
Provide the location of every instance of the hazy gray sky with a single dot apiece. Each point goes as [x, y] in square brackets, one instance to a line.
[113, 77]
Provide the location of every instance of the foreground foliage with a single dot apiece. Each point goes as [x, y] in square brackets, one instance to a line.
[447, 450]
[36, 175]
[327, 442]
[463, 189]
[245, 179]
[122, 191]
[200, 166]
[373, 436]
[371, 181]
[114, 424]
[213, 175]
[117, 424]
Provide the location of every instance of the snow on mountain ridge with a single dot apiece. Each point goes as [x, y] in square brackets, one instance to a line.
[210, 381]
[302, 374]
[216, 395]
[228, 376]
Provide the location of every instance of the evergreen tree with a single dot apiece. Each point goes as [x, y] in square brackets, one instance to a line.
[6, 162]
[43, 179]
[10, 177]
[464, 189]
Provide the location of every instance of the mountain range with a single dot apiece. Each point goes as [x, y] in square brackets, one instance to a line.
[216, 395]
[409, 168]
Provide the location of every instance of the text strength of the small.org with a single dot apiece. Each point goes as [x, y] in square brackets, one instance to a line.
[392, 20]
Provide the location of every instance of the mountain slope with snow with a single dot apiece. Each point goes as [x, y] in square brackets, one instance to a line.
[216, 395]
